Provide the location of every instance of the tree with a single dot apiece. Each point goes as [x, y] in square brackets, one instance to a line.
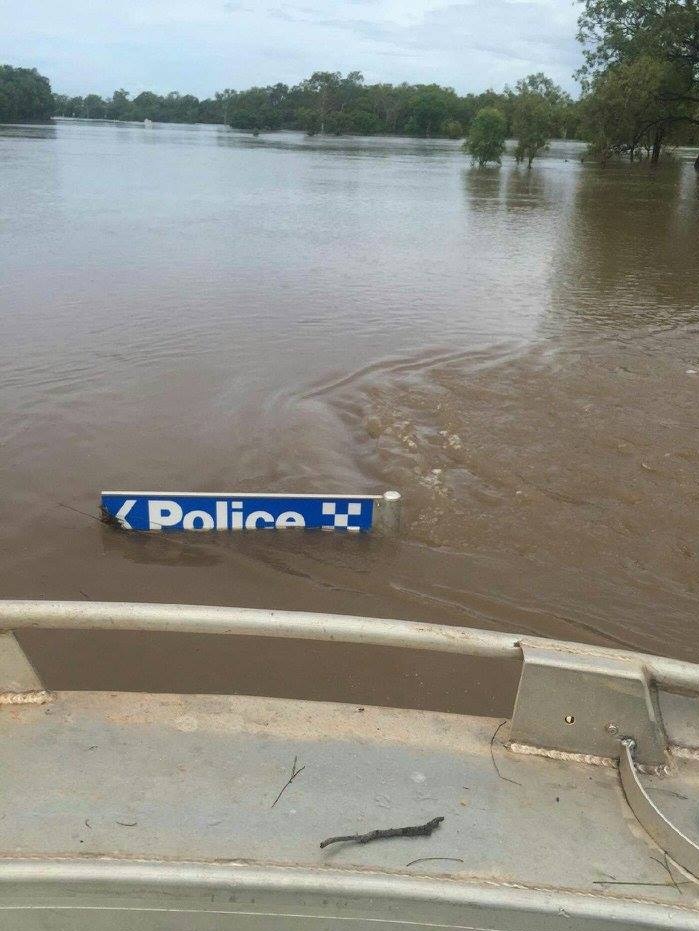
[61, 105]
[25, 95]
[616, 33]
[624, 110]
[95, 107]
[323, 89]
[386, 102]
[309, 121]
[146, 106]
[531, 126]
[224, 100]
[331, 97]
[120, 107]
[486, 138]
[537, 108]
[429, 112]
[619, 30]
[364, 123]
[452, 129]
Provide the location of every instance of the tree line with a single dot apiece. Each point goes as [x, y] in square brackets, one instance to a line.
[326, 102]
[160, 108]
[640, 94]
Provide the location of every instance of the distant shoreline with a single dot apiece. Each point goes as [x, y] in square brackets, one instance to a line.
[687, 151]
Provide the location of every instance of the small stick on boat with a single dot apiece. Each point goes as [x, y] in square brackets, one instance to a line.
[416, 830]
[294, 773]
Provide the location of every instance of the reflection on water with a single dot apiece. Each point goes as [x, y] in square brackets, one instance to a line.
[31, 131]
[630, 250]
[517, 352]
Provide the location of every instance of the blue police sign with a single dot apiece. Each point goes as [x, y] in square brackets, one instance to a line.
[142, 510]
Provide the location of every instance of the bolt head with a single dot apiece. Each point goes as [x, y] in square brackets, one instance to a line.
[612, 729]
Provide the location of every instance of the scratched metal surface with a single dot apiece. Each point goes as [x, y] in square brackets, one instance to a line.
[186, 778]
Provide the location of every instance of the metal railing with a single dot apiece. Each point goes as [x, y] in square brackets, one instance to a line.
[200, 619]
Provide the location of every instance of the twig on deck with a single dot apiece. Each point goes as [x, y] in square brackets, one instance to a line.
[423, 859]
[294, 774]
[492, 756]
[417, 830]
[666, 866]
[624, 882]
[613, 881]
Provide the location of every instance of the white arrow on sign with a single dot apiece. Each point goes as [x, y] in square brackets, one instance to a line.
[123, 512]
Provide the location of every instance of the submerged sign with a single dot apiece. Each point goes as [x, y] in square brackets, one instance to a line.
[142, 510]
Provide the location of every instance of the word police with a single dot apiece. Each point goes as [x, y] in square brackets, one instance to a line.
[151, 511]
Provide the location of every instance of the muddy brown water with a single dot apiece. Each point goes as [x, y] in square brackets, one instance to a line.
[517, 353]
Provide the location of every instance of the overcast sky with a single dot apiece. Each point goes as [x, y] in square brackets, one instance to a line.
[200, 46]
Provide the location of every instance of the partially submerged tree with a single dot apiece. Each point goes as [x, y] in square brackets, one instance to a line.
[531, 127]
[625, 110]
[660, 38]
[486, 138]
[539, 110]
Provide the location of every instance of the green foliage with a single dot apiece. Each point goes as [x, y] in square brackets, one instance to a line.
[539, 111]
[429, 112]
[452, 129]
[25, 95]
[627, 108]
[486, 138]
[309, 121]
[257, 108]
[330, 103]
[641, 74]
[326, 102]
[535, 111]
[364, 123]
[532, 126]
[168, 108]
[613, 31]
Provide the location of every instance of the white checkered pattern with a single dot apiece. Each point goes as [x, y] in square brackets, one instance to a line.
[341, 521]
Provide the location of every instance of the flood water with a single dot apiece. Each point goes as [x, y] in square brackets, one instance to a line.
[190, 308]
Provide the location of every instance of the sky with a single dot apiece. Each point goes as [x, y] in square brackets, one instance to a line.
[201, 46]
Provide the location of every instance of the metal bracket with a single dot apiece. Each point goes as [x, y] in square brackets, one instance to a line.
[585, 704]
[387, 512]
[16, 672]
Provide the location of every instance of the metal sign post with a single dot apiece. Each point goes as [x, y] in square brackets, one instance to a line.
[155, 511]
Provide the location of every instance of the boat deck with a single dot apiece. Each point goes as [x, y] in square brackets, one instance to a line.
[194, 778]
[201, 812]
